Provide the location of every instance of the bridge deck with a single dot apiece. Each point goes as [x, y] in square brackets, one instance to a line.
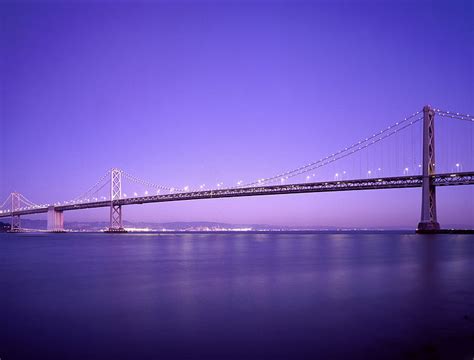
[464, 178]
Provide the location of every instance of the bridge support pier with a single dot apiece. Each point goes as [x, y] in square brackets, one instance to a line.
[115, 209]
[15, 225]
[55, 220]
[116, 219]
[429, 222]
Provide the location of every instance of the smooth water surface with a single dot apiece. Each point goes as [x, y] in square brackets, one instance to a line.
[236, 296]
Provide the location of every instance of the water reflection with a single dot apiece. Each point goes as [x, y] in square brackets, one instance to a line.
[232, 295]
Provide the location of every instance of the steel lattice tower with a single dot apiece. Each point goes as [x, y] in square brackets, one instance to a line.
[115, 194]
[15, 222]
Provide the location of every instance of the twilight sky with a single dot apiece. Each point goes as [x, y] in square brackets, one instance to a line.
[189, 93]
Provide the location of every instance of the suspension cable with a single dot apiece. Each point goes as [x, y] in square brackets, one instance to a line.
[26, 201]
[362, 144]
[455, 115]
[149, 184]
[360, 148]
[6, 200]
[82, 196]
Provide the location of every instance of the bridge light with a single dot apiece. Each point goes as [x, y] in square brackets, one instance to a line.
[158, 191]
[146, 192]
[124, 195]
[186, 188]
[135, 194]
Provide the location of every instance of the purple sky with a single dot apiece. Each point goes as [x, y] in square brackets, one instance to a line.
[186, 93]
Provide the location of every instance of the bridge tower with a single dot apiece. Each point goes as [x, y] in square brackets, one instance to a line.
[429, 220]
[115, 194]
[15, 222]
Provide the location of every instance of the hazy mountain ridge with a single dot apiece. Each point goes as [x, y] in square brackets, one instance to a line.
[201, 226]
[177, 225]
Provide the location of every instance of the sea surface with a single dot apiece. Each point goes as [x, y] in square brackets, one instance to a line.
[382, 295]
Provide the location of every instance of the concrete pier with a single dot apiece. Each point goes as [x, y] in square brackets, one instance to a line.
[55, 220]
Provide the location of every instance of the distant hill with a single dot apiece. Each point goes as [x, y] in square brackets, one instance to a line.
[178, 226]
[203, 226]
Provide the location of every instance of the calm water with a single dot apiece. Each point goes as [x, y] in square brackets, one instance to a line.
[236, 296]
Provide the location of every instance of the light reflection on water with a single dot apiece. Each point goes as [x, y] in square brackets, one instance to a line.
[236, 295]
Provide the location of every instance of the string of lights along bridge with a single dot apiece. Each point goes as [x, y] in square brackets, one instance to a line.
[401, 155]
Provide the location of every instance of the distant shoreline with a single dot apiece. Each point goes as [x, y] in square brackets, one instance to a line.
[342, 231]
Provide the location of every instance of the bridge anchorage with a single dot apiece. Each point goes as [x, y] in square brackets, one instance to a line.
[428, 180]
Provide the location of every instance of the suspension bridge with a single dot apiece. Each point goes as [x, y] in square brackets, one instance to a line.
[427, 178]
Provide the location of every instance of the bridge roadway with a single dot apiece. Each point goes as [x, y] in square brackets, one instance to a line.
[462, 178]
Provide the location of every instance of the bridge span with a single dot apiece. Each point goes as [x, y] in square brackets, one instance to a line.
[400, 182]
[428, 180]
